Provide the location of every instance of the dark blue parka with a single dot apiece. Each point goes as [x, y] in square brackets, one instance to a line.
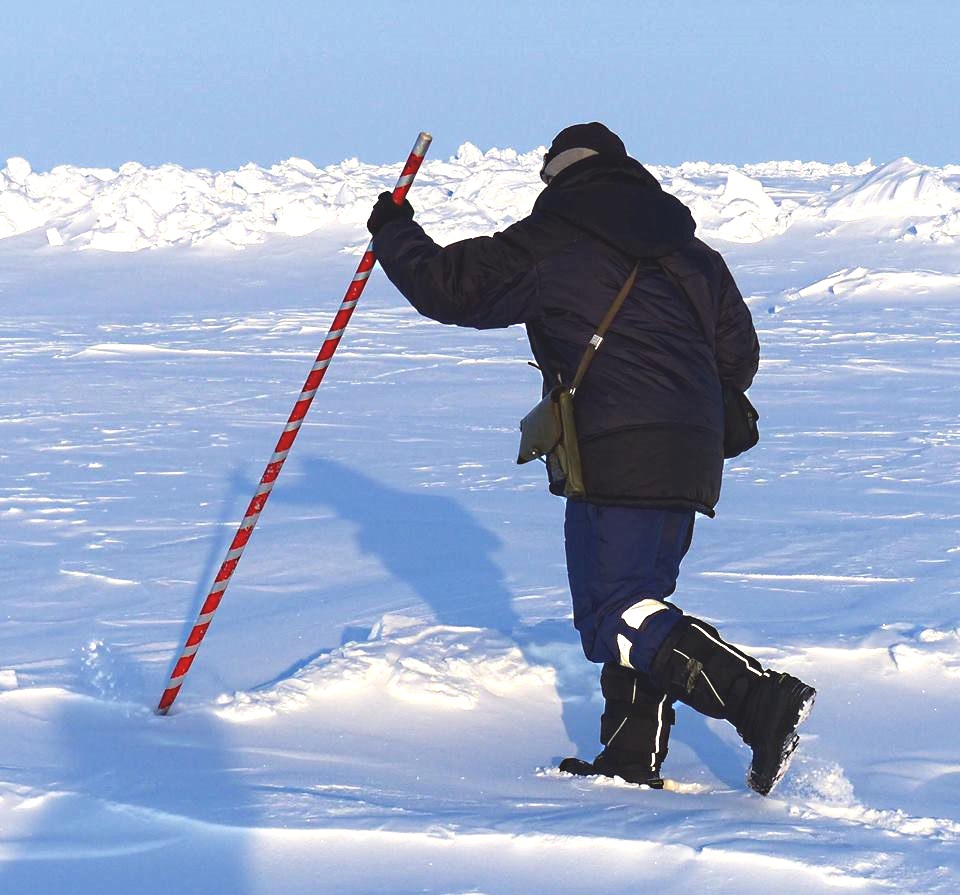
[649, 412]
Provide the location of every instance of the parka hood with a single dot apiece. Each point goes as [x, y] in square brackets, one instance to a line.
[622, 204]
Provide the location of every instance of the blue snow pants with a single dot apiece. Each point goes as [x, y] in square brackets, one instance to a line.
[618, 557]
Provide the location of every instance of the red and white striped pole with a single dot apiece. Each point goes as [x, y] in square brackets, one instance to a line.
[289, 435]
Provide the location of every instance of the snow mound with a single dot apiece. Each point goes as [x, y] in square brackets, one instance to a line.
[899, 188]
[748, 214]
[945, 228]
[739, 211]
[859, 282]
[933, 650]
[442, 666]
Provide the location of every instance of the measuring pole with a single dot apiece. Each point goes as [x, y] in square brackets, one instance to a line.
[269, 477]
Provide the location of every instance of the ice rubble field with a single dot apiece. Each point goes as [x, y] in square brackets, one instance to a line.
[384, 695]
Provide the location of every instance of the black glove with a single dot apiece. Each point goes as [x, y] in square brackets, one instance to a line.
[387, 210]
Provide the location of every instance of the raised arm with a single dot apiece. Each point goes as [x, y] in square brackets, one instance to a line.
[486, 282]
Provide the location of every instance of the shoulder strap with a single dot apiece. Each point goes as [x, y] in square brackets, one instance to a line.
[597, 338]
[671, 274]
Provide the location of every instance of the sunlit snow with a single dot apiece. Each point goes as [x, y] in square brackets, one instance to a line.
[386, 691]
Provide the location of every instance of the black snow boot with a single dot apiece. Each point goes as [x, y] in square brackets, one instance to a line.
[700, 669]
[634, 729]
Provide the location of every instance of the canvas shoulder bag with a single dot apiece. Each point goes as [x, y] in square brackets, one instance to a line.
[549, 429]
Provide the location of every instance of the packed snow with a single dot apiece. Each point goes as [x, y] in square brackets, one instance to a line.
[393, 677]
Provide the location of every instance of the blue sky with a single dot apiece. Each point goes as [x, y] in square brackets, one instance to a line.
[215, 84]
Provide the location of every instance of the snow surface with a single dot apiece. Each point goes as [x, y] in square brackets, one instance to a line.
[386, 691]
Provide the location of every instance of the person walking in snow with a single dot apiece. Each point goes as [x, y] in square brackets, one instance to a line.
[650, 424]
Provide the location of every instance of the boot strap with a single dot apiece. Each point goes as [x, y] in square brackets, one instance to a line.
[619, 684]
[636, 733]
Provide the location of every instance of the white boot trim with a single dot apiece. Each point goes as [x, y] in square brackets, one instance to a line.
[624, 721]
[729, 649]
[656, 741]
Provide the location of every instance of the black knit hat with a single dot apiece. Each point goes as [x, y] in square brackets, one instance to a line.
[578, 142]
